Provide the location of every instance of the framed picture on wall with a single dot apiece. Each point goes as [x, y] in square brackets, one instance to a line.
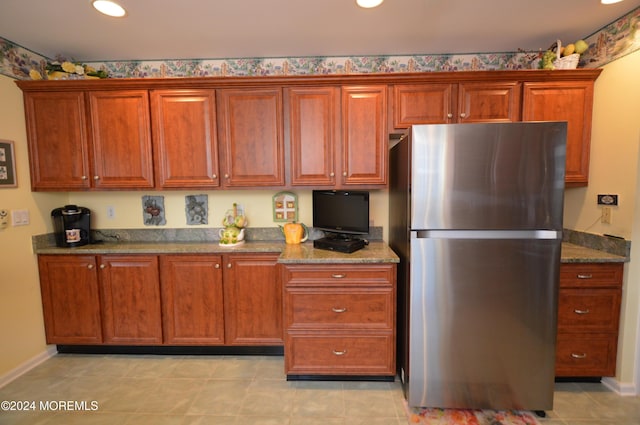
[7, 165]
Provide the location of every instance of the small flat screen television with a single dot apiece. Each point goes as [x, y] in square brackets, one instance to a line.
[341, 212]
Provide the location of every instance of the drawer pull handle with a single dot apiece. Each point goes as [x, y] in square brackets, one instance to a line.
[579, 356]
[338, 276]
[576, 311]
[338, 310]
[339, 353]
[584, 276]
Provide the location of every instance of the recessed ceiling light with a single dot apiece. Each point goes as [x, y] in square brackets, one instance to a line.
[367, 4]
[610, 1]
[109, 8]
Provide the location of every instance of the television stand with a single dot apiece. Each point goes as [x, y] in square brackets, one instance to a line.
[340, 243]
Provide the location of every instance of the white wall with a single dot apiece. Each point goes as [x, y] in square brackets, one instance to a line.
[614, 169]
[21, 325]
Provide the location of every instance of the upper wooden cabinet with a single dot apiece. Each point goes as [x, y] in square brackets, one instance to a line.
[365, 138]
[279, 131]
[81, 140]
[251, 137]
[312, 124]
[184, 138]
[121, 133]
[442, 103]
[58, 140]
[570, 101]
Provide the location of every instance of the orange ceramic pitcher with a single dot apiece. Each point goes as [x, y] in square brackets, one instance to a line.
[295, 233]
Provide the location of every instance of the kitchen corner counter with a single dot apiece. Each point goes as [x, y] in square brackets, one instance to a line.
[572, 253]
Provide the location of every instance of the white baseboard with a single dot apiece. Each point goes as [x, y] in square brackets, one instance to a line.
[621, 388]
[28, 365]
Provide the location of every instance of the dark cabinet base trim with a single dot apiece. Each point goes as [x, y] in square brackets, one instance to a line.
[172, 350]
[595, 379]
[340, 378]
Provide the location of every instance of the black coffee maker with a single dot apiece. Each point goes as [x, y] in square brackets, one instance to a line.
[71, 226]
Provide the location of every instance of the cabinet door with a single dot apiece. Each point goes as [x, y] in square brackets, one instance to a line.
[250, 133]
[121, 131]
[313, 124]
[130, 299]
[569, 101]
[70, 300]
[364, 135]
[423, 104]
[184, 137]
[192, 306]
[57, 138]
[488, 102]
[252, 300]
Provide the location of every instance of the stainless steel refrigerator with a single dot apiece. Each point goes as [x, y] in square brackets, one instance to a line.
[475, 214]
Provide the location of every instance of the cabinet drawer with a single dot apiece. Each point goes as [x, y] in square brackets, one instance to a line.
[341, 309]
[342, 354]
[589, 310]
[586, 354]
[591, 275]
[339, 274]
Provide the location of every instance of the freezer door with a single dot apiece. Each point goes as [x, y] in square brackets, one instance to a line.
[482, 322]
[488, 176]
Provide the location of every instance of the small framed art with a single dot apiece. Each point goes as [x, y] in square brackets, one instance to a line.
[7, 164]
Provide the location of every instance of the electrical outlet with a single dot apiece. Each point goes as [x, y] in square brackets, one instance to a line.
[606, 215]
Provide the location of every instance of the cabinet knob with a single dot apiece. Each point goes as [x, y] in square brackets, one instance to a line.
[449, 115]
[226, 176]
[217, 266]
[331, 174]
[579, 356]
[577, 311]
[215, 176]
[584, 276]
[90, 266]
[339, 353]
[344, 173]
[229, 265]
[96, 177]
[463, 115]
[338, 310]
[102, 266]
[83, 177]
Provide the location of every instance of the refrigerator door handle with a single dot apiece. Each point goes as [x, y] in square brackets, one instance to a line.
[488, 234]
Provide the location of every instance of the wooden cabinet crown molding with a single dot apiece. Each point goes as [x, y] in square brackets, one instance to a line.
[255, 82]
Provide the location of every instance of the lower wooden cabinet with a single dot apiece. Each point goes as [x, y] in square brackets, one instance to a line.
[340, 319]
[233, 299]
[588, 319]
[130, 299]
[192, 300]
[70, 299]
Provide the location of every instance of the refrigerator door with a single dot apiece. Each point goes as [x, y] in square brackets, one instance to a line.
[488, 176]
[482, 320]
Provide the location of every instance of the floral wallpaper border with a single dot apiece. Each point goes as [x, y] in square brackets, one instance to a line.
[614, 41]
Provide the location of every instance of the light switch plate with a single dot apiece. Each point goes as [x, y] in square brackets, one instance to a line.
[19, 217]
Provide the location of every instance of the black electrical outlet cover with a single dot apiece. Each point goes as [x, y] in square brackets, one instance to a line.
[608, 200]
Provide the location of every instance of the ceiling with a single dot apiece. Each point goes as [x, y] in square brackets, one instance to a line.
[208, 29]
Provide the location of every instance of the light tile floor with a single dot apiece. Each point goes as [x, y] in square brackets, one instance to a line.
[224, 390]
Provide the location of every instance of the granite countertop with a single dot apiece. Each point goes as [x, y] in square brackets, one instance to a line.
[375, 252]
[572, 253]
[577, 247]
